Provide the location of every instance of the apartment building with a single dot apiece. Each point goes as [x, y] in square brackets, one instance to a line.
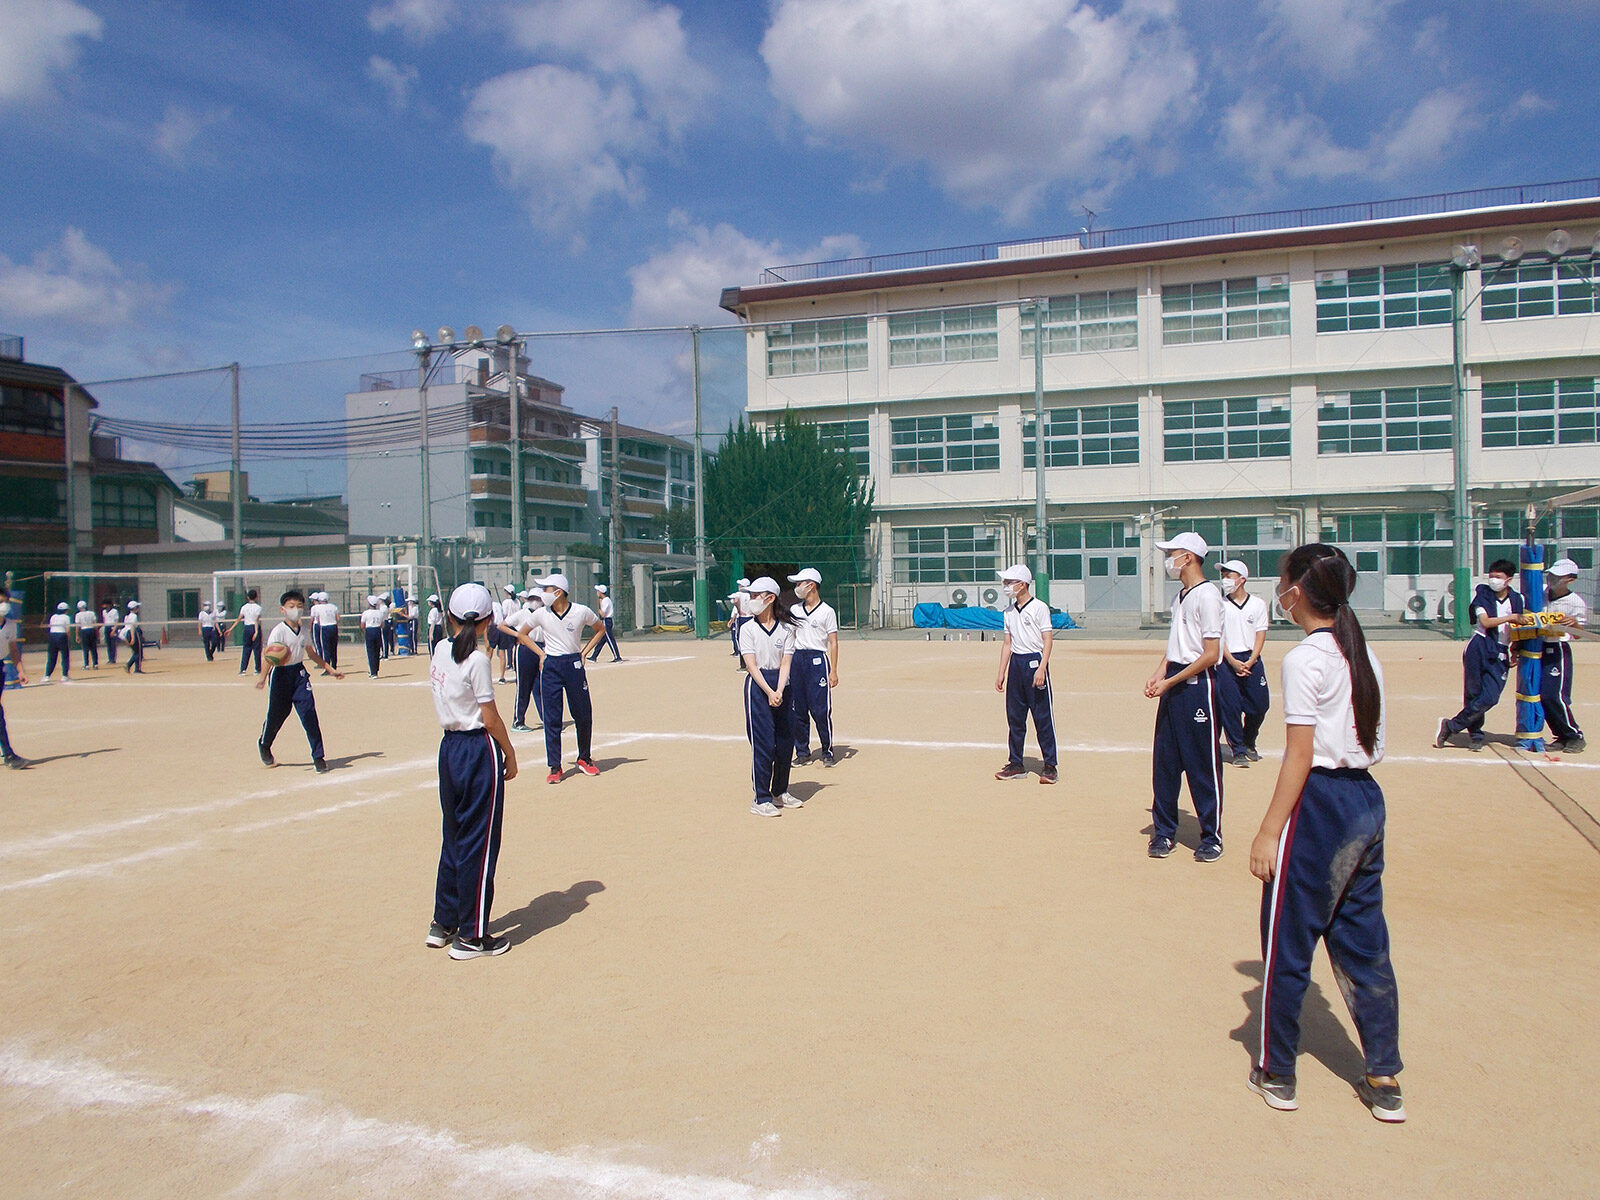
[1262, 379]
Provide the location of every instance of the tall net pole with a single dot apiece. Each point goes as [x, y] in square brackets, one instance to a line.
[702, 597]
[425, 353]
[235, 476]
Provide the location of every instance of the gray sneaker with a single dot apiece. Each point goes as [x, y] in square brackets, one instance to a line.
[1160, 846]
[1442, 738]
[790, 800]
[484, 947]
[1209, 852]
[1276, 1090]
[1252, 753]
[1383, 1099]
[439, 937]
[766, 808]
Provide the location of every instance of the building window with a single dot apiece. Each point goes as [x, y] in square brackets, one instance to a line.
[1085, 323]
[122, 505]
[1258, 542]
[1537, 289]
[817, 347]
[183, 605]
[849, 436]
[1202, 430]
[1539, 412]
[931, 445]
[564, 524]
[30, 410]
[1227, 309]
[944, 335]
[1079, 547]
[1096, 435]
[1393, 543]
[1578, 531]
[1384, 420]
[947, 554]
[1399, 297]
[28, 500]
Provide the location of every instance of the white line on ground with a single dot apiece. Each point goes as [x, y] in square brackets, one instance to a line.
[297, 1140]
[105, 867]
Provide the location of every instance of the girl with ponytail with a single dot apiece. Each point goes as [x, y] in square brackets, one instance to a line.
[1319, 853]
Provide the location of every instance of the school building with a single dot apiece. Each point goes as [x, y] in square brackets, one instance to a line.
[1262, 379]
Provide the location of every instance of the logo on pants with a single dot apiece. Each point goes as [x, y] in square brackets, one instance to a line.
[1200, 717]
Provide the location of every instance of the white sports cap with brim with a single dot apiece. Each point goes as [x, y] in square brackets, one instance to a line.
[1016, 573]
[1192, 542]
[510, 590]
[743, 585]
[471, 602]
[1237, 567]
[372, 600]
[807, 575]
[62, 607]
[1563, 566]
[765, 584]
[557, 580]
[82, 604]
[133, 604]
[600, 587]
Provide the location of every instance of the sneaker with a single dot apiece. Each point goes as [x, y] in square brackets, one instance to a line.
[789, 800]
[519, 727]
[1208, 852]
[1573, 745]
[1012, 771]
[828, 760]
[1476, 745]
[1442, 738]
[765, 808]
[1240, 759]
[553, 777]
[1383, 1099]
[321, 765]
[266, 756]
[439, 937]
[1047, 775]
[587, 766]
[483, 947]
[1252, 754]
[16, 762]
[1225, 754]
[802, 757]
[1276, 1090]
[1160, 846]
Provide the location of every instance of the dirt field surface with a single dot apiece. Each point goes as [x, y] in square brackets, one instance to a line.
[925, 983]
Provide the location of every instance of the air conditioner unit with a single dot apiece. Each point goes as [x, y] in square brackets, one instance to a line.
[991, 596]
[958, 597]
[1420, 606]
[1447, 607]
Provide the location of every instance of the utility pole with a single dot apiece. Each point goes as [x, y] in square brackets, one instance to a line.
[234, 476]
[615, 557]
[702, 597]
[71, 524]
[1041, 538]
[424, 354]
[1464, 259]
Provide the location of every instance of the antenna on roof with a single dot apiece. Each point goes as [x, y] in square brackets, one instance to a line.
[1088, 215]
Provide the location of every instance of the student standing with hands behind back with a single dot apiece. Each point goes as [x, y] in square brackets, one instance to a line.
[1025, 675]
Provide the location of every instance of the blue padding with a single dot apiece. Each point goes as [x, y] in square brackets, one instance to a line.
[937, 616]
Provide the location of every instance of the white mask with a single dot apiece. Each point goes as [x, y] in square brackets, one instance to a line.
[293, 615]
[1286, 609]
[1174, 571]
[1499, 584]
[5, 609]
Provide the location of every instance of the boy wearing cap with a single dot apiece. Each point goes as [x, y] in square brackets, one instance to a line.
[110, 622]
[325, 615]
[1555, 686]
[814, 671]
[1486, 662]
[528, 656]
[372, 632]
[561, 672]
[134, 636]
[607, 611]
[88, 635]
[60, 645]
[1025, 674]
[739, 600]
[206, 622]
[1185, 684]
[1242, 695]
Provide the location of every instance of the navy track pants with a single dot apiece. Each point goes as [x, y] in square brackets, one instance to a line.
[328, 645]
[562, 674]
[527, 685]
[610, 643]
[1328, 884]
[1484, 667]
[290, 687]
[1186, 748]
[472, 792]
[1242, 703]
[1023, 698]
[1555, 691]
[374, 647]
[810, 699]
[771, 740]
[252, 645]
[60, 651]
[5, 740]
[89, 643]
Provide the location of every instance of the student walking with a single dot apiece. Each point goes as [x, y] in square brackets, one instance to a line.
[110, 623]
[60, 644]
[206, 622]
[1024, 675]
[326, 615]
[607, 611]
[1242, 694]
[291, 684]
[250, 618]
[499, 643]
[372, 631]
[766, 648]
[561, 672]
[476, 761]
[386, 627]
[10, 649]
[1555, 680]
[88, 635]
[435, 624]
[133, 635]
[528, 651]
[1185, 686]
[1319, 852]
[815, 671]
[1486, 661]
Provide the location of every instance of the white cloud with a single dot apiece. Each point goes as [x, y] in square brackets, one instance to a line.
[38, 37]
[418, 20]
[75, 282]
[1335, 37]
[682, 284]
[1002, 100]
[574, 134]
[395, 79]
[176, 134]
[1428, 133]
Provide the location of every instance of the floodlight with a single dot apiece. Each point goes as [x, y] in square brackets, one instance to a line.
[1465, 257]
[419, 340]
[505, 335]
[1511, 249]
[1558, 243]
[473, 334]
[446, 335]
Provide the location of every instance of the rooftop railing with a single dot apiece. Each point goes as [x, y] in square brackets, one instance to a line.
[1174, 231]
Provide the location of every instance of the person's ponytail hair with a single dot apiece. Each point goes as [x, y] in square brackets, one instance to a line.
[1326, 579]
[464, 639]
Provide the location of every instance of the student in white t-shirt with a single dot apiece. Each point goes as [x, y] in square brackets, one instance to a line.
[372, 632]
[528, 651]
[88, 635]
[561, 673]
[476, 761]
[133, 635]
[607, 611]
[250, 618]
[291, 682]
[110, 623]
[815, 672]
[1242, 694]
[766, 648]
[60, 644]
[435, 624]
[1319, 852]
[1024, 675]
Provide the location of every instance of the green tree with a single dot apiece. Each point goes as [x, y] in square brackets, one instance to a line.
[782, 496]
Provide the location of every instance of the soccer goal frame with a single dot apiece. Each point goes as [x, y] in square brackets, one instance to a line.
[349, 586]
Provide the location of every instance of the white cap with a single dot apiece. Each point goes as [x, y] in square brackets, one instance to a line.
[133, 604]
[510, 590]
[1237, 567]
[765, 584]
[807, 574]
[743, 585]
[600, 587]
[433, 598]
[1016, 572]
[372, 600]
[557, 580]
[1563, 566]
[62, 607]
[1191, 542]
[82, 605]
[471, 602]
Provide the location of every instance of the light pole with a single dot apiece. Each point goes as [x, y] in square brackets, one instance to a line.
[1041, 539]
[1464, 259]
[507, 337]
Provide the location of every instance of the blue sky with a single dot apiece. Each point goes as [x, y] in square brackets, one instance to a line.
[194, 183]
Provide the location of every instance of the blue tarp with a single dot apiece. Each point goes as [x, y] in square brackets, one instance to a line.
[937, 616]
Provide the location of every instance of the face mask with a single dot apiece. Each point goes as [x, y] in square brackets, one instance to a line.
[292, 615]
[1286, 608]
[5, 609]
[1498, 584]
[1174, 571]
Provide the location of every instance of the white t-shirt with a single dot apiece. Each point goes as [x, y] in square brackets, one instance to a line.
[607, 609]
[1502, 608]
[8, 638]
[110, 616]
[564, 634]
[208, 619]
[1574, 606]
[60, 623]
[84, 619]
[372, 618]
[770, 647]
[325, 613]
[435, 617]
[297, 640]
[130, 626]
[497, 610]
[1241, 623]
[250, 614]
[811, 628]
[1316, 691]
[1196, 616]
[1028, 626]
[459, 688]
[523, 618]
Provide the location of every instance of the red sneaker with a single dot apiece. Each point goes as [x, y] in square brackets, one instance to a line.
[553, 777]
[587, 767]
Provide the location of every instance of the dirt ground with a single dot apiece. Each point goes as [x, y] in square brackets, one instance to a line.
[925, 983]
